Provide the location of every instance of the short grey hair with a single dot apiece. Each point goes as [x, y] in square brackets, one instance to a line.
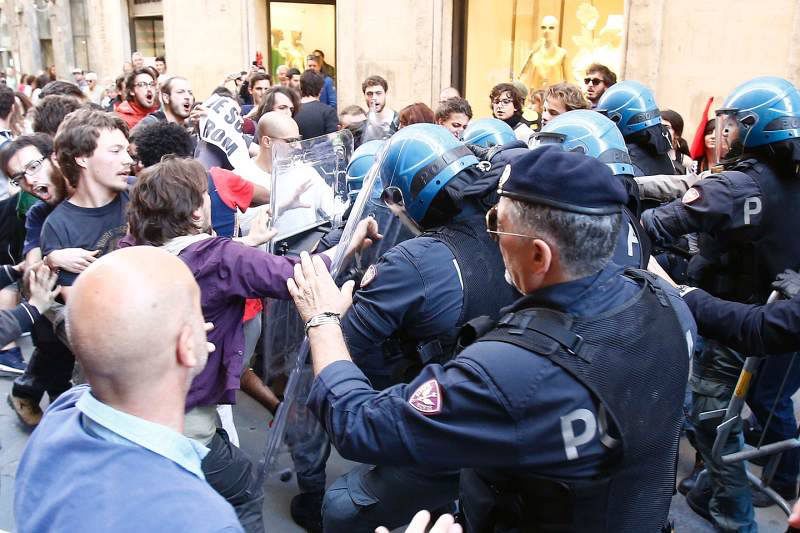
[585, 242]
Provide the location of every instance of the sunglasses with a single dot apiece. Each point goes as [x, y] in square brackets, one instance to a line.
[593, 81]
[491, 227]
[547, 27]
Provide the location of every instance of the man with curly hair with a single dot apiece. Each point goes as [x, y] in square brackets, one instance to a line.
[561, 98]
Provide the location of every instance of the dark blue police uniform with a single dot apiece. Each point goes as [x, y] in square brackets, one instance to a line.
[499, 407]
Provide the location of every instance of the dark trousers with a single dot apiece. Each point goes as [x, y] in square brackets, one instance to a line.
[50, 367]
[229, 471]
[783, 425]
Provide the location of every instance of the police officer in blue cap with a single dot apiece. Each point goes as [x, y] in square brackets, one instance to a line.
[412, 303]
[747, 218]
[633, 109]
[544, 414]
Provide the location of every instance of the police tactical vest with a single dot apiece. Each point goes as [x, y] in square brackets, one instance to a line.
[634, 361]
[481, 271]
[740, 263]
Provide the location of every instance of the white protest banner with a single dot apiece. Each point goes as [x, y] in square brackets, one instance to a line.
[222, 126]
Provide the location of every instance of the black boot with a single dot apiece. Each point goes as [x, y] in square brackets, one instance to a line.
[688, 483]
[306, 510]
[699, 497]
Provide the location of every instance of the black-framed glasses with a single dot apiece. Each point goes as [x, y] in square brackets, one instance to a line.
[491, 227]
[593, 81]
[28, 171]
[143, 84]
[503, 101]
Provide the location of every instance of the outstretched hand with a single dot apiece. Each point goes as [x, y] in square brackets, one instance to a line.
[445, 524]
[41, 285]
[365, 234]
[314, 291]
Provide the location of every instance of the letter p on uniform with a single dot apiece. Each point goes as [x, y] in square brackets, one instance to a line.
[568, 428]
[752, 207]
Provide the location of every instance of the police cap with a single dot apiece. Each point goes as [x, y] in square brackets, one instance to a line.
[564, 180]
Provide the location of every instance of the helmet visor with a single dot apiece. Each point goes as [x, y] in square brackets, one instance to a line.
[545, 137]
[727, 135]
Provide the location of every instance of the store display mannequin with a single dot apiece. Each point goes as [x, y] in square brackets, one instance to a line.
[545, 63]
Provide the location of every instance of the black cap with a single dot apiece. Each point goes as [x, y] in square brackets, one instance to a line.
[565, 180]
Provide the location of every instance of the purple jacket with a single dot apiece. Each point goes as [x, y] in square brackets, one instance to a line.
[229, 272]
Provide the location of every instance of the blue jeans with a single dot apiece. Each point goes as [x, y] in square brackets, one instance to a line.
[783, 425]
[372, 496]
[731, 506]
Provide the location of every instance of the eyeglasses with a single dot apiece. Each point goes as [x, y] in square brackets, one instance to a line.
[143, 84]
[28, 171]
[547, 27]
[491, 227]
[503, 101]
[593, 81]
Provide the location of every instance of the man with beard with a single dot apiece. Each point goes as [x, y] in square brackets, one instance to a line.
[375, 89]
[27, 160]
[140, 86]
[177, 99]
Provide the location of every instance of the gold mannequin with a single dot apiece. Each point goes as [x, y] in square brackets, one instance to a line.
[545, 63]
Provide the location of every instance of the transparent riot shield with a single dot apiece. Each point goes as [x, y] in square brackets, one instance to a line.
[309, 195]
[293, 422]
[308, 188]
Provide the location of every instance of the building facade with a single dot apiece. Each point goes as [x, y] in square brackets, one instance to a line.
[685, 50]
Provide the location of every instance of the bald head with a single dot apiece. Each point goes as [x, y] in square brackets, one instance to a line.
[277, 125]
[134, 321]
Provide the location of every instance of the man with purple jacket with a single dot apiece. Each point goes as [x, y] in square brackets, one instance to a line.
[170, 208]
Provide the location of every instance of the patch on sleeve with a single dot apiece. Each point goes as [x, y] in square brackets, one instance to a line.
[369, 275]
[692, 195]
[427, 399]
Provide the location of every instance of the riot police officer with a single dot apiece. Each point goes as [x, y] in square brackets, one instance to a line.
[539, 409]
[488, 132]
[412, 302]
[595, 135]
[633, 108]
[746, 216]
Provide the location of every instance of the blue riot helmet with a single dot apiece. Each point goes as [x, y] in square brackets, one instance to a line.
[761, 111]
[488, 132]
[631, 106]
[416, 164]
[589, 133]
[360, 162]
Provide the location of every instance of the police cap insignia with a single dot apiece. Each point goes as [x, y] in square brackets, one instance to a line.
[427, 399]
[369, 275]
[691, 195]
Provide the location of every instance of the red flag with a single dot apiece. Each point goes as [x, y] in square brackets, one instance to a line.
[698, 148]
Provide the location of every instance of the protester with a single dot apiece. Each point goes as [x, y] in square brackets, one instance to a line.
[314, 118]
[417, 113]
[257, 86]
[40, 283]
[161, 65]
[375, 89]
[50, 112]
[282, 72]
[507, 104]
[561, 98]
[177, 100]
[94, 92]
[598, 79]
[280, 99]
[351, 115]
[294, 79]
[454, 114]
[140, 97]
[126, 424]
[325, 69]
[328, 94]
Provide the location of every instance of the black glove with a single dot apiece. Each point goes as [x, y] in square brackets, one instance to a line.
[787, 283]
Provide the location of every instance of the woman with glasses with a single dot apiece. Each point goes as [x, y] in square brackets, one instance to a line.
[507, 102]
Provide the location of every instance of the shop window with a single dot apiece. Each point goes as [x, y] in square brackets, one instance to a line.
[538, 42]
[149, 36]
[299, 28]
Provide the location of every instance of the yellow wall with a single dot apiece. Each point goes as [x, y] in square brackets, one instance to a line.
[708, 48]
